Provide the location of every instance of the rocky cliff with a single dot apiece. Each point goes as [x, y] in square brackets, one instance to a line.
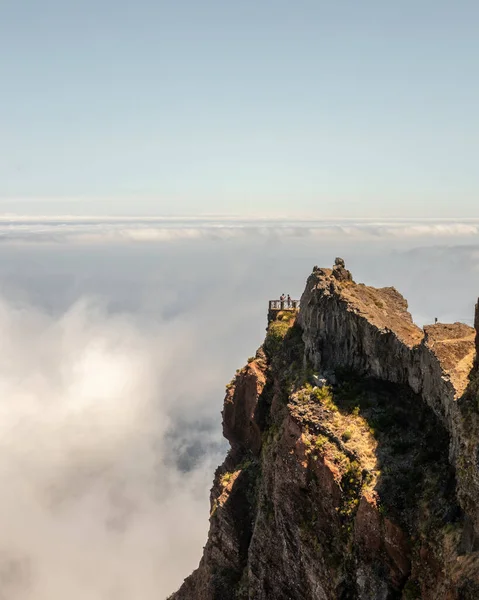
[354, 464]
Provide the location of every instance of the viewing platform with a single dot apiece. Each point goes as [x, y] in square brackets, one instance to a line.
[277, 306]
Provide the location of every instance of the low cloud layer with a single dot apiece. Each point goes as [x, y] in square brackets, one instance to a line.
[112, 375]
[93, 504]
[88, 230]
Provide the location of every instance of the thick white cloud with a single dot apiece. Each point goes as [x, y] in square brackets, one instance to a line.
[91, 507]
[110, 410]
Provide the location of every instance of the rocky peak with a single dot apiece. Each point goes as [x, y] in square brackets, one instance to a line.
[353, 471]
[340, 272]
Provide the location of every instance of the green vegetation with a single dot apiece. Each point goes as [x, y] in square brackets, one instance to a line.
[245, 464]
[323, 395]
[400, 445]
[351, 484]
[414, 479]
[271, 435]
[274, 337]
[320, 442]
[284, 349]
[287, 315]
[322, 405]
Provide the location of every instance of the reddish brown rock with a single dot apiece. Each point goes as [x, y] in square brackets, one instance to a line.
[367, 525]
[239, 426]
[396, 544]
[365, 489]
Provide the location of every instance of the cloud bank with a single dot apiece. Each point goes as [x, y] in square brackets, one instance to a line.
[93, 503]
[88, 230]
[110, 425]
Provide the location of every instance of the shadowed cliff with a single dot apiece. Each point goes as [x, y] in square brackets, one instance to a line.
[353, 469]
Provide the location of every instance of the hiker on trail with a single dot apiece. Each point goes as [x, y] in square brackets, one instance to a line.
[289, 301]
[282, 297]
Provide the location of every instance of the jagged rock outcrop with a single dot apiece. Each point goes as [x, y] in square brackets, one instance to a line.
[353, 470]
[340, 272]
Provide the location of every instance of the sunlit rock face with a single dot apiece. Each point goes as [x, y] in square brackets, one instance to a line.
[353, 469]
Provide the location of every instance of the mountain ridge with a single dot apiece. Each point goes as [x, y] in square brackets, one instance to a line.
[353, 469]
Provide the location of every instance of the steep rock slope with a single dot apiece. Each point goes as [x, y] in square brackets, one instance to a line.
[353, 467]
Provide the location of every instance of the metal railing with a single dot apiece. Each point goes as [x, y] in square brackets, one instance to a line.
[283, 304]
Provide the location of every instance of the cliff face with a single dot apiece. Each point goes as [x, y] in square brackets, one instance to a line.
[353, 469]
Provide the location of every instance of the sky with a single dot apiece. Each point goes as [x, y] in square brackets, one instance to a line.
[166, 168]
[311, 108]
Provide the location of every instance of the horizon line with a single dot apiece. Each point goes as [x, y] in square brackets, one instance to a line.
[8, 216]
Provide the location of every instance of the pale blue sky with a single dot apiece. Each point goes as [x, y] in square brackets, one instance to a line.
[338, 108]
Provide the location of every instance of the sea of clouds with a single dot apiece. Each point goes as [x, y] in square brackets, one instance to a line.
[89, 230]
[114, 361]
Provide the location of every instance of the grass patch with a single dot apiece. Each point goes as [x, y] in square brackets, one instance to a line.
[274, 337]
[413, 477]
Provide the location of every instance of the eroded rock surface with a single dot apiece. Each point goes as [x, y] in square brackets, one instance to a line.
[365, 486]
